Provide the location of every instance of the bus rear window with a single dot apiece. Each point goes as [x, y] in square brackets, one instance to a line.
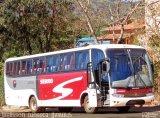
[8, 68]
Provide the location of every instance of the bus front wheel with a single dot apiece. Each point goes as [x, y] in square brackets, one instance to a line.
[87, 107]
[34, 107]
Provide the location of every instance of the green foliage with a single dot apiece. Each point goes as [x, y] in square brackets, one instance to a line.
[34, 26]
[1, 85]
[1, 91]
[154, 44]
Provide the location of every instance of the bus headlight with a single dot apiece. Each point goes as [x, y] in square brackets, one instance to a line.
[149, 94]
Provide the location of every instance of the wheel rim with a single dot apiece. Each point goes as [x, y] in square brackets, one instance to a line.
[88, 106]
[33, 105]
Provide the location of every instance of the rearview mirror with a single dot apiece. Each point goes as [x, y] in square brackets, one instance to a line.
[105, 65]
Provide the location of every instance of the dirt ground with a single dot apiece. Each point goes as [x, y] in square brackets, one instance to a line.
[14, 109]
[152, 108]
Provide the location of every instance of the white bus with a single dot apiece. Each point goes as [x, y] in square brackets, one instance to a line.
[113, 75]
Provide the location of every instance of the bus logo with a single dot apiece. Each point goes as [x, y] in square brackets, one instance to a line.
[46, 81]
[65, 91]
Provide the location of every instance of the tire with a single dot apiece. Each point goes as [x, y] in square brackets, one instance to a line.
[65, 109]
[123, 109]
[87, 108]
[34, 107]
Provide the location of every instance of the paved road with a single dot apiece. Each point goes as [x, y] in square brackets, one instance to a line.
[135, 112]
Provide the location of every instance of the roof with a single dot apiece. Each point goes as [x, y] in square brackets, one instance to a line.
[129, 28]
[116, 36]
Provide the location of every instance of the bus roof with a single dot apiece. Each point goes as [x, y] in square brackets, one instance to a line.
[98, 46]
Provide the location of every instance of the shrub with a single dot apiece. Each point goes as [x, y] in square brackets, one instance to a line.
[1, 91]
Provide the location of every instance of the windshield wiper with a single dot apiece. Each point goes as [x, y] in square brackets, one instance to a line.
[139, 76]
[132, 69]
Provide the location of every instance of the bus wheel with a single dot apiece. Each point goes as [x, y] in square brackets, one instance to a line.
[65, 109]
[34, 107]
[87, 108]
[123, 109]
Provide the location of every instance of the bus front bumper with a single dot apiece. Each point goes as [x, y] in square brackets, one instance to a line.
[139, 101]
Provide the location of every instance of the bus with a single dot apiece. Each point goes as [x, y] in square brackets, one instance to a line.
[91, 77]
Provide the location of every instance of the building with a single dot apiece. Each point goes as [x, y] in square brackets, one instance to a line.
[130, 31]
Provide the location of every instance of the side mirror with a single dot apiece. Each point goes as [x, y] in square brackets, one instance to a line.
[105, 65]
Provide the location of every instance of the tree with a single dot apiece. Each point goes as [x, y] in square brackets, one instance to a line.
[30, 26]
[84, 6]
[121, 12]
[153, 25]
[109, 12]
[152, 17]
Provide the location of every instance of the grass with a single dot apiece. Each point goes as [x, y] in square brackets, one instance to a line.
[1, 91]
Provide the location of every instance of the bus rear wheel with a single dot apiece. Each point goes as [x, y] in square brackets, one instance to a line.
[87, 107]
[34, 107]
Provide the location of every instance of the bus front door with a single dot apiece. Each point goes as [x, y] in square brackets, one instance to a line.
[104, 81]
[92, 89]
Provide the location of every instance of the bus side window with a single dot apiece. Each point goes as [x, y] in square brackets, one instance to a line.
[29, 66]
[67, 62]
[7, 68]
[63, 62]
[10, 69]
[41, 65]
[49, 64]
[14, 69]
[35, 66]
[97, 55]
[55, 63]
[78, 57]
[23, 71]
[82, 58]
[72, 62]
[18, 69]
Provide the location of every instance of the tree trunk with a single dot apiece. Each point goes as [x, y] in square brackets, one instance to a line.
[121, 35]
[48, 43]
[40, 44]
[28, 45]
[84, 9]
[91, 28]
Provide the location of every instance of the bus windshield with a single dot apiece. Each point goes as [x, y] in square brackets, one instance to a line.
[129, 68]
